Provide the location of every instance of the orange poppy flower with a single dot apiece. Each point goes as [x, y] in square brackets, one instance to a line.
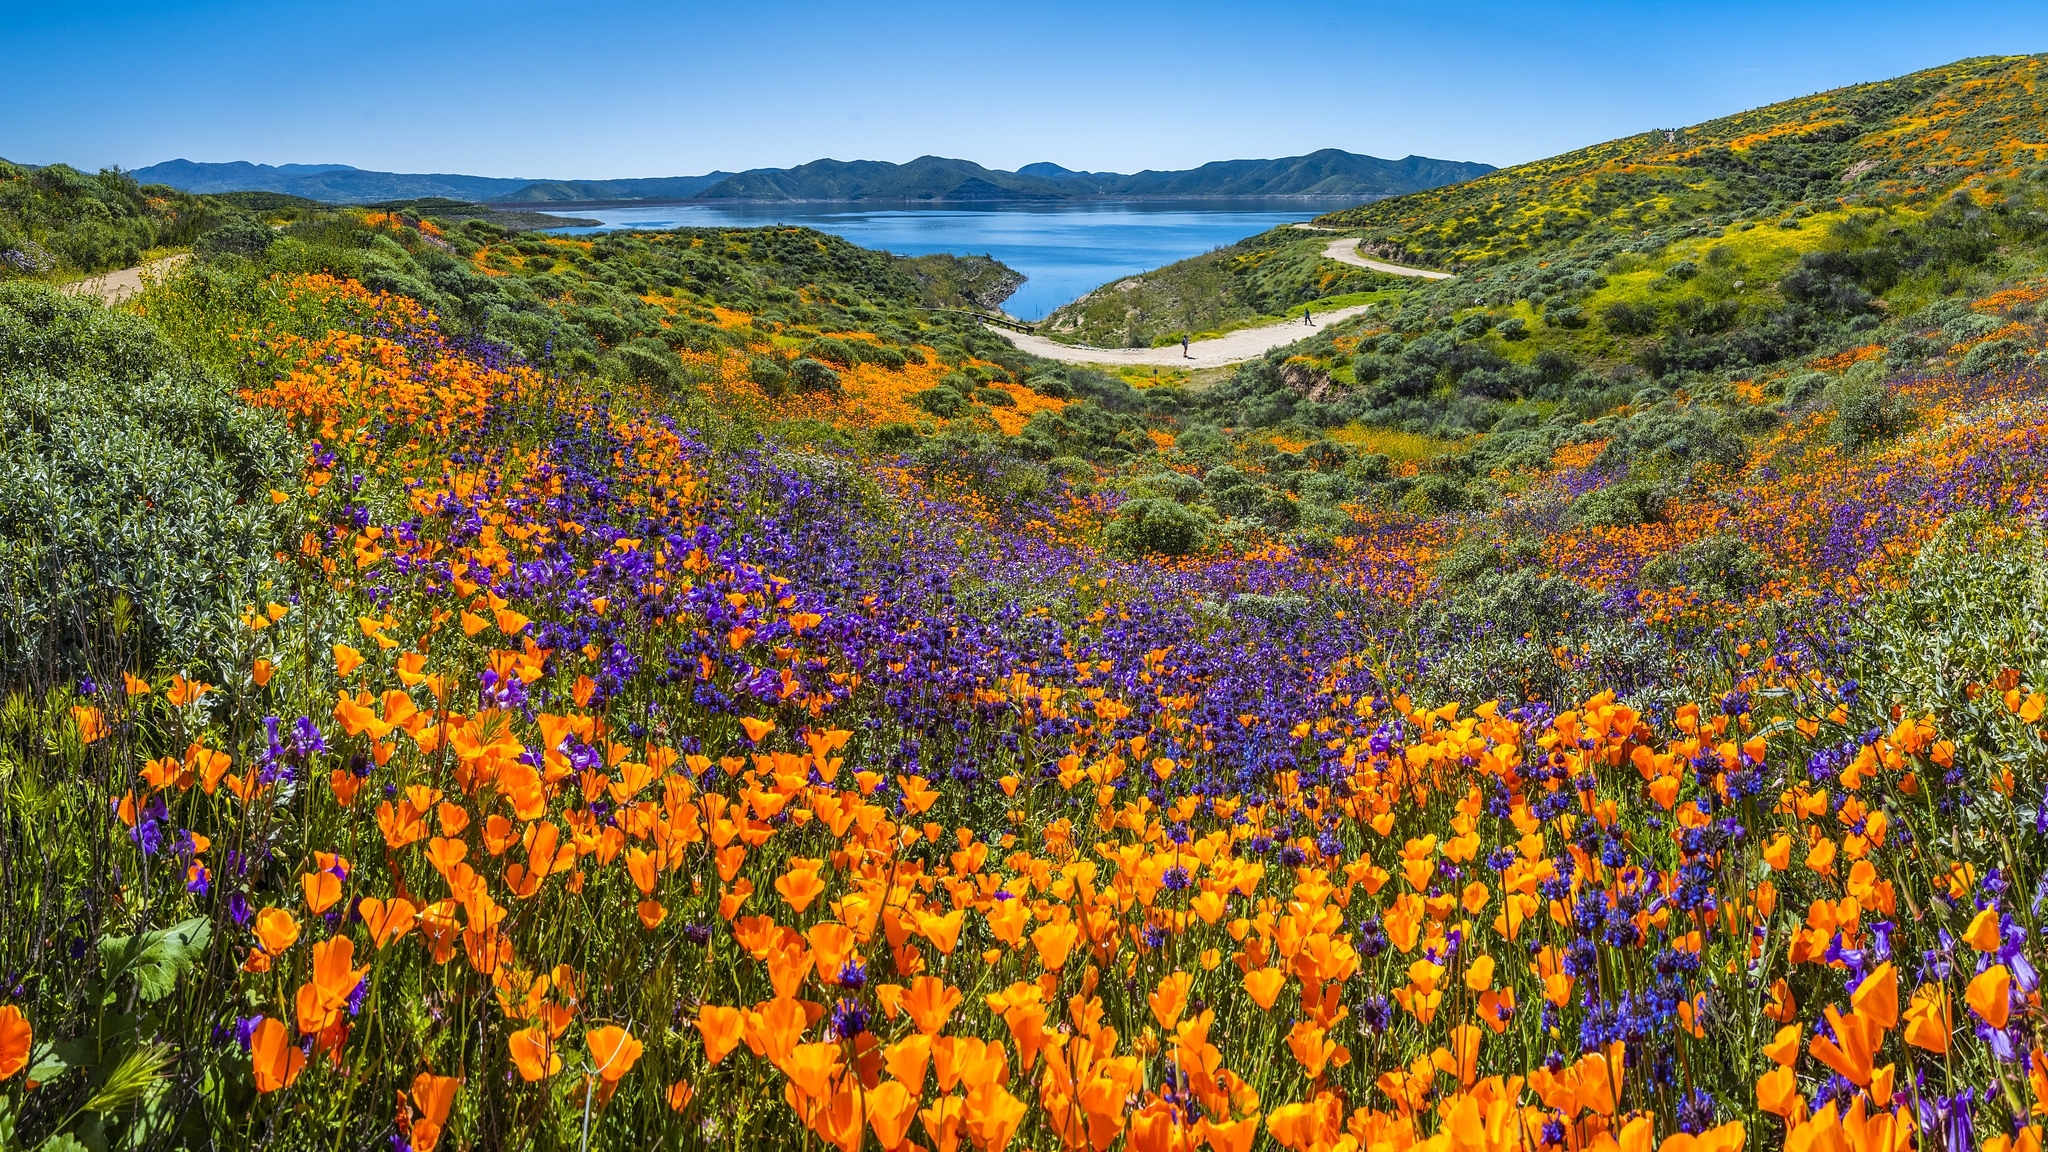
[92, 727]
[907, 1059]
[800, 886]
[757, 730]
[434, 1095]
[274, 1059]
[533, 1053]
[346, 660]
[1171, 999]
[1990, 995]
[387, 921]
[1783, 1049]
[183, 691]
[811, 1068]
[1983, 931]
[1264, 985]
[613, 1052]
[276, 930]
[721, 1029]
[679, 1095]
[1877, 998]
[931, 1002]
[322, 890]
[16, 1037]
[1054, 943]
[991, 1115]
[1851, 1051]
[891, 1108]
[1930, 1018]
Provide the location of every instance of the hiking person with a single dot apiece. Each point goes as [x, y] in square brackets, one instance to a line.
[1308, 317]
[1184, 347]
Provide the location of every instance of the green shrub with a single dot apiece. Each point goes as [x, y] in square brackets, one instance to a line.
[650, 362]
[1625, 319]
[941, 401]
[1803, 386]
[807, 375]
[1071, 468]
[1990, 356]
[127, 473]
[1617, 505]
[1722, 566]
[1155, 527]
[835, 352]
[995, 398]
[768, 374]
[1433, 494]
[1167, 485]
[239, 236]
[894, 436]
[882, 354]
[1867, 410]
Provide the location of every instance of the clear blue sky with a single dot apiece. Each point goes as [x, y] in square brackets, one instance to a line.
[600, 89]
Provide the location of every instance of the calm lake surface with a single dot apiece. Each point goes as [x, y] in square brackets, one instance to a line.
[1064, 249]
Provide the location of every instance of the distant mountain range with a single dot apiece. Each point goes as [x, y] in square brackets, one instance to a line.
[1327, 173]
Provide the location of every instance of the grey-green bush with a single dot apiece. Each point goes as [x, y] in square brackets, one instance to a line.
[127, 473]
[1154, 527]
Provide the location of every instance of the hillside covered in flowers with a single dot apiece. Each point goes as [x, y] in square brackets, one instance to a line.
[477, 689]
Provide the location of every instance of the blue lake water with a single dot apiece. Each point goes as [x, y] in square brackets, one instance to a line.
[1064, 249]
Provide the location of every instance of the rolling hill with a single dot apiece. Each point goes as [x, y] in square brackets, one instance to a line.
[1327, 173]
[328, 183]
[1893, 138]
[1559, 244]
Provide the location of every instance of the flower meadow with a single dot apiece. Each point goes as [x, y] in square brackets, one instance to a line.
[586, 774]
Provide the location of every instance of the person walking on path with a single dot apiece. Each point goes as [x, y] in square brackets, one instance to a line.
[1308, 317]
[1184, 346]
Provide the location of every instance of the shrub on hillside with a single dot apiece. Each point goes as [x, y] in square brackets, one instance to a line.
[238, 236]
[807, 375]
[127, 474]
[1616, 505]
[1625, 319]
[1867, 410]
[1150, 526]
[1722, 566]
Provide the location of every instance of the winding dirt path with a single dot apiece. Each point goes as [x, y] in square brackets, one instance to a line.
[1346, 252]
[113, 287]
[1229, 348]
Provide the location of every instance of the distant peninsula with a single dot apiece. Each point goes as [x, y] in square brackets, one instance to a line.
[1326, 174]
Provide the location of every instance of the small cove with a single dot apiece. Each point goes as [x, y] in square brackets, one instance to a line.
[1064, 249]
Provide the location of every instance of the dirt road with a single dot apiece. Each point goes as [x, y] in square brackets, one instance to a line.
[113, 287]
[1229, 348]
[1346, 252]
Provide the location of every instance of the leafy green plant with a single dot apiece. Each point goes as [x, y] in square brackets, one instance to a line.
[128, 476]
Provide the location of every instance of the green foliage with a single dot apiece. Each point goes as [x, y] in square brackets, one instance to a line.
[807, 375]
[1868, 410]
[1723, 566]
[59, 220]
[1151, 526]
[974, 282]
[128, 475]
[238, 236]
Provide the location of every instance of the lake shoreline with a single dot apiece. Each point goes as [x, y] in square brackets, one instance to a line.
[882, 203]
[1063, 248]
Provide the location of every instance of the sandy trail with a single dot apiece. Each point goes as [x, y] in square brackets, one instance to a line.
[1346, 252]
[1229, 348]
[113, 287]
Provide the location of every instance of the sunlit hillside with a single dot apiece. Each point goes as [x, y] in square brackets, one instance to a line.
[471, 688]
